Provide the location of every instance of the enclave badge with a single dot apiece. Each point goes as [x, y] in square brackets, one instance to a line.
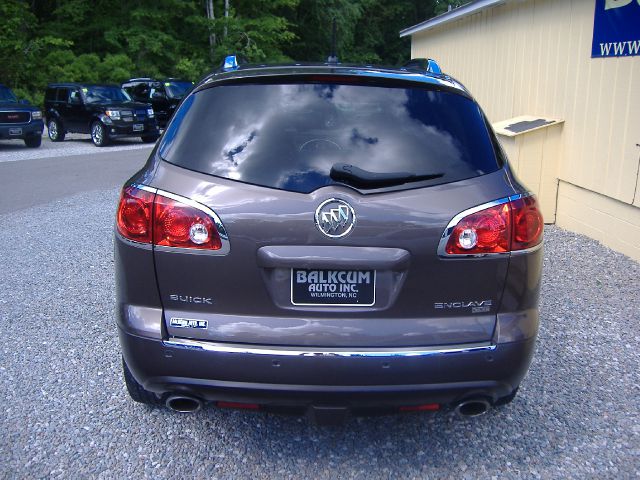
[335, 218]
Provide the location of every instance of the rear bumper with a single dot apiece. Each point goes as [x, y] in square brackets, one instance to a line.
[33, 128]
[284, 377]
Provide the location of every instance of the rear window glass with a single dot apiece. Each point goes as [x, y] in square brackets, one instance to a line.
[289, 136]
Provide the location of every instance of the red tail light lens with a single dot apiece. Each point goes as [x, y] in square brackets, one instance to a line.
[134, 215]
[148, 217]
[527, 223]
[427, 407]
[513, 225]
[486, 231]
[184, 226]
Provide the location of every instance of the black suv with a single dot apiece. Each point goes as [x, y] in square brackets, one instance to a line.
[164, 95]
[104, 111]
[19, 120]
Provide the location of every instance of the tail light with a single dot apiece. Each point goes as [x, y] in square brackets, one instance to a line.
[178, 225]
[527, 223]
[508, 225]
[164, 219]
[134, 215]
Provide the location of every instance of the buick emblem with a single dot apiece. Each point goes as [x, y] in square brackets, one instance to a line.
[335, 218]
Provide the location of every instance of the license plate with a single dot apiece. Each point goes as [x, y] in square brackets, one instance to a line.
[15, 131]
[351, 288]
[138, 127]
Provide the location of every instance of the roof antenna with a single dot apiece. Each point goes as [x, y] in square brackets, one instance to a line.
[333, 57]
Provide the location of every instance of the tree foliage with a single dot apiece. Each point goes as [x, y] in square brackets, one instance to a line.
[44, 41]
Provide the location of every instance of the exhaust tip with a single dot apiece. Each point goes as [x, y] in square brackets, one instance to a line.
[472, 408]
[183, 404]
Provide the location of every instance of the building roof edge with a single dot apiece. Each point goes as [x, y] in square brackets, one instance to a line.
[455, 14]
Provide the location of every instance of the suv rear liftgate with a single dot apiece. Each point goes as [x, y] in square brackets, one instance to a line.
[314, 254]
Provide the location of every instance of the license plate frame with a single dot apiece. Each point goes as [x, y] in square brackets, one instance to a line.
[345, 281]
[138, 127]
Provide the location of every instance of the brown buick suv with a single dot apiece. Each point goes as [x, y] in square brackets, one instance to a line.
[327, 239]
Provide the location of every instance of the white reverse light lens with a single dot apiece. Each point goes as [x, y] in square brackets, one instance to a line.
[198, 233]
[468, 238]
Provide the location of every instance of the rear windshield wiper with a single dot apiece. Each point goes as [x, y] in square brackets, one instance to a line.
[352, 175]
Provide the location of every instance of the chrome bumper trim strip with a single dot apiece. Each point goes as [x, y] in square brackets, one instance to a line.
[326, 352]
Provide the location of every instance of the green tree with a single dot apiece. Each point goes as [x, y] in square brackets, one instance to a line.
[21, 50]
[367, 30]
[15, 41]
[45, 41]
[377, 33]
[259, 30]
[442, 6]
[313, 20]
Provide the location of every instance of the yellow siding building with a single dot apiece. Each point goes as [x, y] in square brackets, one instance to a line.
[527, 59]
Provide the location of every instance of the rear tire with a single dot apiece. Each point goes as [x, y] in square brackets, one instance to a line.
[137, 391]
[149, 138]
[33, 141]
[55, 130]
[99, 134]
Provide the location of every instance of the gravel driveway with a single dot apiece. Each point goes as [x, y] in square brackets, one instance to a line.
[66, 414]
[74, 144]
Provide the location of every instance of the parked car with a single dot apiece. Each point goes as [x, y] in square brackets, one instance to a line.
[105, 112]
[19, 120]
[163, 95]
[328, 239]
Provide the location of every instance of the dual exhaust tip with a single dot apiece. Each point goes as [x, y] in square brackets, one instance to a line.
[472, 407]
[183, 403]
